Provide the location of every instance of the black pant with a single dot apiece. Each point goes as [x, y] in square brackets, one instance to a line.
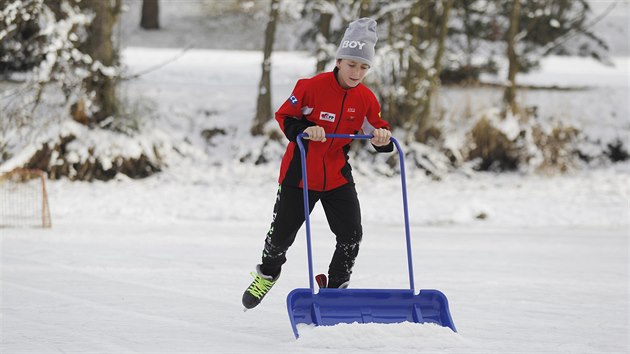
[343, 213]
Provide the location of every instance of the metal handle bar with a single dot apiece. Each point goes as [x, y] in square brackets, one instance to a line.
[403, 179]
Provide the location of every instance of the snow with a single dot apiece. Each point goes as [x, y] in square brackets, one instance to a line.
[576, 72]
[119, 285]
[529, 263]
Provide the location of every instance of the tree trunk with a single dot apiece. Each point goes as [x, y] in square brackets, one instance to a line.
[101, 48]
[423, 132]
[324, 31]
[413, 68]
[509, 96]
[365, 9]
[392, 108]
[150, 14]
[263, 107]
[416, 72]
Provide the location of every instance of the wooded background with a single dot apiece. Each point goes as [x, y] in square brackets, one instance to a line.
[423, 45]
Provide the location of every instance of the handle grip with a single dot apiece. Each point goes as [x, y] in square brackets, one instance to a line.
[345, 136]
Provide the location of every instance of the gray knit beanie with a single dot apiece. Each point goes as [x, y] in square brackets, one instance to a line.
[358, 42]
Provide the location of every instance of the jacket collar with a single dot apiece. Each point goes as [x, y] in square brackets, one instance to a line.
[335, 82]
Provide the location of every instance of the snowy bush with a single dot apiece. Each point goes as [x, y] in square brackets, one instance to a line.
[77, 152]
[64, 80]
[525, 143]
[491, 146]
[617, 151]
[20, 41]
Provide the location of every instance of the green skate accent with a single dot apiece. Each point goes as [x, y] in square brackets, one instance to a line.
[260, 286]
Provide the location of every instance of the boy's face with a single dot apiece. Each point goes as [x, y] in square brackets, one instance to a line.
[351, 72]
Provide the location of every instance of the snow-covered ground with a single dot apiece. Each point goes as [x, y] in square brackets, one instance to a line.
[530, 264]
[157, 266]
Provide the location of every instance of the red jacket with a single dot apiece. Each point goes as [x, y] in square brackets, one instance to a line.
[321, 101]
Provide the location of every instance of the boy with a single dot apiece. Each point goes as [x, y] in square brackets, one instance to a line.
[332, 102]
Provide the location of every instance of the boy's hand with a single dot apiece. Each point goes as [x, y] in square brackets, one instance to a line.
[381, 137]
[315, 133]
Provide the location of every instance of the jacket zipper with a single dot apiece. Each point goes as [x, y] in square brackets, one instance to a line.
[331, 140]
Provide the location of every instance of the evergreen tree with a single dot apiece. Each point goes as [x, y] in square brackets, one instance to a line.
[50, 41]
[479, 32]
[20, 39]
[541, 28]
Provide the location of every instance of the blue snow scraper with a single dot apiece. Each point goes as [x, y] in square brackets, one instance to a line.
[329, 307]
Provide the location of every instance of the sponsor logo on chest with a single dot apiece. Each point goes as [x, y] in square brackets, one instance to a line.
[329, 117]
